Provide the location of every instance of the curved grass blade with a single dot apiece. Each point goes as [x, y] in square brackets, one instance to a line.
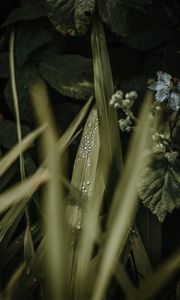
[28, 243]
[9, 290]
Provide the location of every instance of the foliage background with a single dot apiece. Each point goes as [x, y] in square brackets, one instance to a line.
[147, 40]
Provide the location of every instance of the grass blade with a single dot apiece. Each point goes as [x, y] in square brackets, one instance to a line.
[15, 99]
[123, 209]
[104, 89]
[14, 153]
[54, 207]
[84, 178]
[65, 139]
[22, 190]
[154, 284]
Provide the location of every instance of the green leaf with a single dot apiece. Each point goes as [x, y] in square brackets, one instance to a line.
[29, 39]
[115, 14]
[8, 134]
[71, 16]
[27, 12]
[149, 39]
[71, 75]
[158, 184]
[119, 14]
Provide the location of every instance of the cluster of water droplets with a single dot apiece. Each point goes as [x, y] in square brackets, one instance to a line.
[87, 141]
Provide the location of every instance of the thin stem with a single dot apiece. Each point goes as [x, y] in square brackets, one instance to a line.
[16, 106]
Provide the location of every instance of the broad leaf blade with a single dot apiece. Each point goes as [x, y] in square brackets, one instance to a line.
[71, 16]
[70, 75]
[27, 12]
[158, 184]
[29, 39]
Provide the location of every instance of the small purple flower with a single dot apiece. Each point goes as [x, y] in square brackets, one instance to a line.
[167, 88]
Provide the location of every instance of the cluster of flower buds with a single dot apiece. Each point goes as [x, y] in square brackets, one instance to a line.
[125, 124]
[125, 102]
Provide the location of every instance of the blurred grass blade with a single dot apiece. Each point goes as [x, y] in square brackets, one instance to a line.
[28, 244]
[14, 153]
[16, 244]
[65, 139]
[22, 190]
[9, 290]
[54, 207]
[142, 262]
[124, 204]
[154, 284]
[14, 212]
[104, 89]
[32, 274]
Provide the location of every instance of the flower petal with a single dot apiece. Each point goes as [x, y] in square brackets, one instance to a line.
[162, 94]
[164, 77]
[174, 101]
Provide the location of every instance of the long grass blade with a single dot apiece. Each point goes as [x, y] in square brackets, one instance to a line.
[28, 238]
[104, 89]
[84, 179]
[65, 139]
[54, 207]
[14, 212]
[124, 205]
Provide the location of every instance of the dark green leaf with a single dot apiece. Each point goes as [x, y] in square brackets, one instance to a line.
[158, 184]
[27, 12]
[8, 133]
[119, 14]
[71, 16]
[147, 40]
[71, 75]
[29, 39]
[114, 13]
